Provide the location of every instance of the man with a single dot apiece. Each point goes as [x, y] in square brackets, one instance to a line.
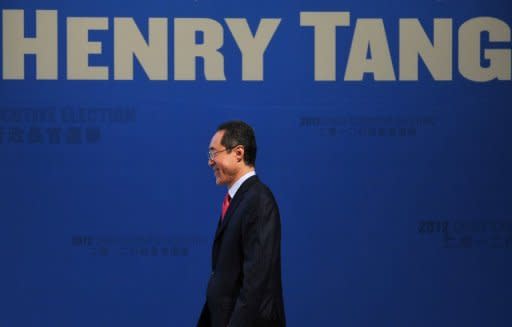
[244, 289]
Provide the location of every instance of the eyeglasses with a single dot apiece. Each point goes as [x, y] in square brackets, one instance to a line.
[212, 154]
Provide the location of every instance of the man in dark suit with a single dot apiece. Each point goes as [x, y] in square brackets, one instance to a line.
[244, 289]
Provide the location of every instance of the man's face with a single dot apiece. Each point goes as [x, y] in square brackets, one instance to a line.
[224, 164]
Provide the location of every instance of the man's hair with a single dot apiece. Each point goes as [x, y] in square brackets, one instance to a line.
[237, 132]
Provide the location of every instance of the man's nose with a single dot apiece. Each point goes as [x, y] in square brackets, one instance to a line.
[211, 162]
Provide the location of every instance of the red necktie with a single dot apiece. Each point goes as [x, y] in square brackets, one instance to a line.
[225, 205]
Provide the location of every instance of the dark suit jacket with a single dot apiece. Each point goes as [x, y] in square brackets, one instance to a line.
[245, 288]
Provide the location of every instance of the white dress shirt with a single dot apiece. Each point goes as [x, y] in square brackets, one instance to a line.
[232, 190]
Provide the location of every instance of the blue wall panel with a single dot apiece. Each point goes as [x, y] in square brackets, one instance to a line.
[394, 196]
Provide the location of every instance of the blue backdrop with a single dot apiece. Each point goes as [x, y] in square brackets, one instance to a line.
[394, 195]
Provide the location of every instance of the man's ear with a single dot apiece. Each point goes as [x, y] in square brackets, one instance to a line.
[239, 151]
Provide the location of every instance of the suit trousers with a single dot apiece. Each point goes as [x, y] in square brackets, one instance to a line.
[266, 323]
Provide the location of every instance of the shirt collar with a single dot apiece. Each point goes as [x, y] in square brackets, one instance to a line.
[232, 190]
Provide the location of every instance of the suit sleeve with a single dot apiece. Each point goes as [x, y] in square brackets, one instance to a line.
[260, 234]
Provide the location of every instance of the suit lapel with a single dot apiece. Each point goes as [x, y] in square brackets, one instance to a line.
[234, 204]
